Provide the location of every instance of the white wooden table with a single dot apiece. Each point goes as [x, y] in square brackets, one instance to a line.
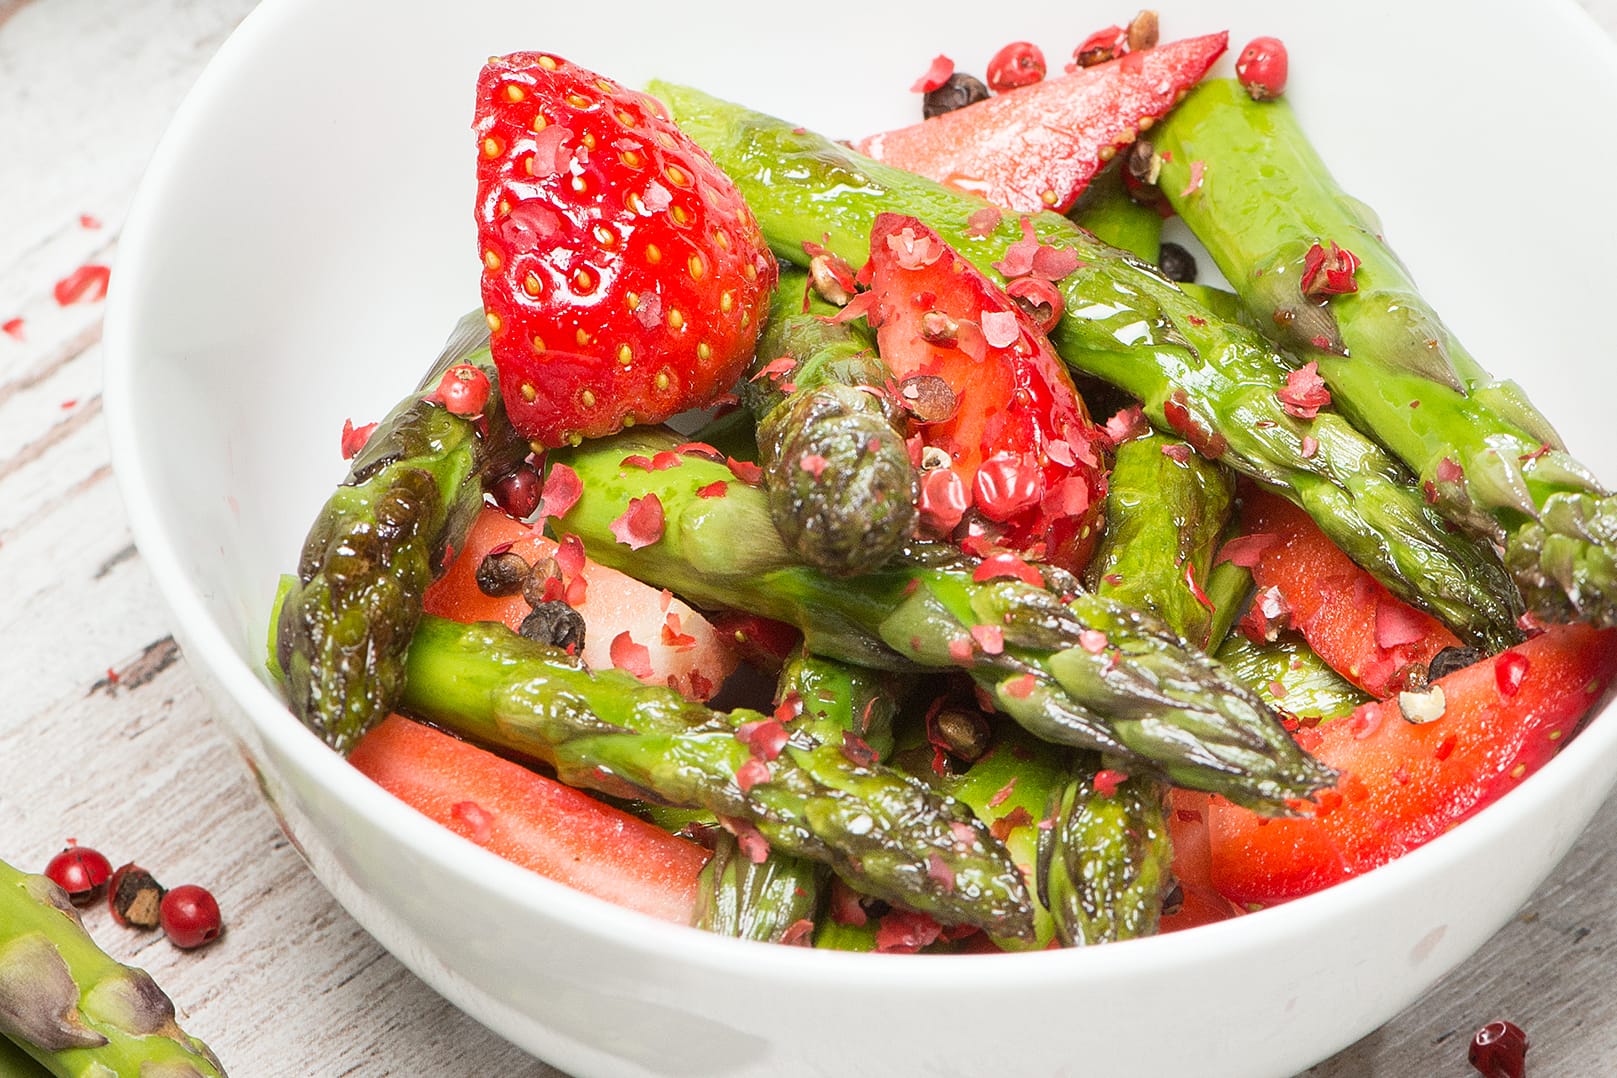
[104, 736]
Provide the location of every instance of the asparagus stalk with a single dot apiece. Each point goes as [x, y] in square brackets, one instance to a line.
[76, 1011]
[1493, 464]
[380, 539]
[1288, 674]
[1106, 210]
[1165, 514]
[830, 439]
[1105, 863]
[1090, 672]
[770, 900]
[1013, 788]
[607, 731]
[1206, 379]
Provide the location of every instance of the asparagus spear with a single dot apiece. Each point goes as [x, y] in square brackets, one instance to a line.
[830, 439]
[75, 1010]
[1165, 514]
[1106, 210]
[1288, 674]
[607, 731]
[380, 539]
[1208, 380]
[1492, 462]
[774, 900]
[1089, 672]
[770, 899]
[1105, 863]
[1013, 788]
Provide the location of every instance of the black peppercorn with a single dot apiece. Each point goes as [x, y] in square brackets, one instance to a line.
[957, 93]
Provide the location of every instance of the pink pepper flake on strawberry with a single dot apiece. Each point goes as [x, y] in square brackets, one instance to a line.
[1510, 670]
[641, 524]
[1246, 550]
[630, 657]
[1305, 392]
[1329, 272]
[477, 820]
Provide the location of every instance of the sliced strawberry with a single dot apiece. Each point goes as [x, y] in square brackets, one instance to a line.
[623, 276]
[1036, 147]
[622, 615]
[1404, 783]
[532, 820]
[1026, 465]
[1363, 631]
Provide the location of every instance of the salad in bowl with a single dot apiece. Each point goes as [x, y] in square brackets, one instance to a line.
[898, 546]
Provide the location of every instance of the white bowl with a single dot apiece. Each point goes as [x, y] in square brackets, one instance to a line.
[303, 243]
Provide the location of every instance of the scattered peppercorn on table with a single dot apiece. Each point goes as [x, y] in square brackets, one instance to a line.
[106, 739]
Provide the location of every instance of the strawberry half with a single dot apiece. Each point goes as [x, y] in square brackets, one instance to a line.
[1036, 147]
[623, 276]
[1026, 466]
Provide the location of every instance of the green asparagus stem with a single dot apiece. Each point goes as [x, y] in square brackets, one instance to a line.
[76, 1011]
[1105, 863]
[1306, 685]
[1090, 672]
[606, 731]
[1228, 588]
[1493, 463]
[409, 498]
[1106, 210]
[1165, 515]
[770, 900]
[1211, 381]
[830, 439]
[1013, 787]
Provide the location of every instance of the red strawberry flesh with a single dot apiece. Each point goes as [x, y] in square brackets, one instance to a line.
[1036, 147]
[1020, 440]
[623, 276]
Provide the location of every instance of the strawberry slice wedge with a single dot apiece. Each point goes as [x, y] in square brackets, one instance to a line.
[1404, 782]
[1025, 464]
[1036, 147]
[624, 277]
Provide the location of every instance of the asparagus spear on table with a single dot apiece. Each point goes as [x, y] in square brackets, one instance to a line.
[606, 731]
[830, 438]
[770, 899]
[1210, 381]
[1089, 672]
[381, 538]
[72, 1008]
[1491, 462]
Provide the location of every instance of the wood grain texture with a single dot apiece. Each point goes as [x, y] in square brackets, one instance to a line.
[104, 736]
